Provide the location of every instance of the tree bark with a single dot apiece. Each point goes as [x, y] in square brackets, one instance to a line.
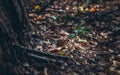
[13, 27]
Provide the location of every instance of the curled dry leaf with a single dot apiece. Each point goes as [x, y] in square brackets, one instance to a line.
[45, 71]
[37, 7]
[31, 14]
[55, 50]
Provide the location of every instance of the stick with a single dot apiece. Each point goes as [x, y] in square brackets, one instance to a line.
[27, 50]
[43, 9]
[44, 59]
[87, 58]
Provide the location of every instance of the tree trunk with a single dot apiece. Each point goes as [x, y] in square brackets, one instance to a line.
[13, 27]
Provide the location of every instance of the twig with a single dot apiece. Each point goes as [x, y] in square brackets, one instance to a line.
[103, 53]
[87, 58]
[43, 9]
[55, 10]
[36, 52]
[40, 58]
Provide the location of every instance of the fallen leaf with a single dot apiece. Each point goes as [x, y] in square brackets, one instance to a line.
[61, 53]
[37, 7]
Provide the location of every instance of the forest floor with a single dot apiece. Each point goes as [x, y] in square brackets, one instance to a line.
[87, 32]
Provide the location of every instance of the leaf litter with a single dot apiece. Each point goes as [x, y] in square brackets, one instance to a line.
[86, 31]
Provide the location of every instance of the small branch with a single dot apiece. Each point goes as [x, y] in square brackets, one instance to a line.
[87, 58]
[104, 53]
[43, 59]
[43, 9]
[55, 10]
[36, 52]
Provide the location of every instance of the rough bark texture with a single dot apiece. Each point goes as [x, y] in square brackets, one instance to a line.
[13, 27]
